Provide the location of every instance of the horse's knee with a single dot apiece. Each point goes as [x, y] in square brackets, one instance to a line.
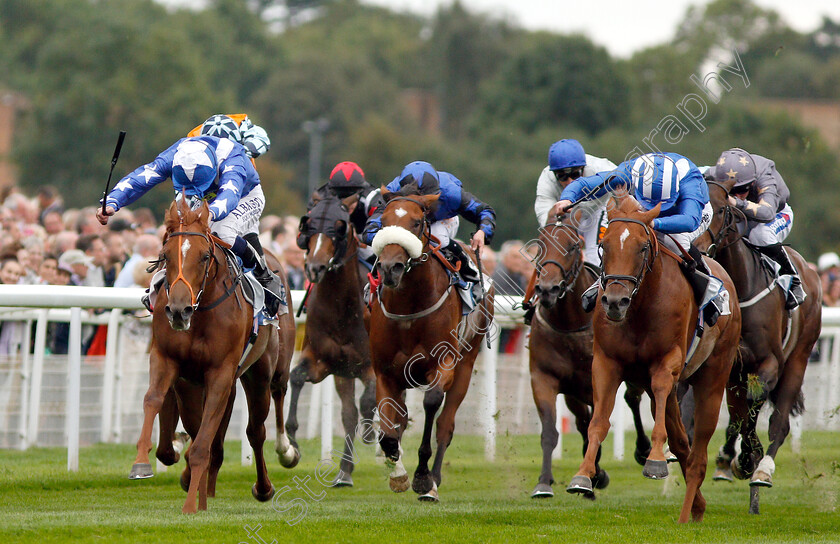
[298, 375]
[390, 447]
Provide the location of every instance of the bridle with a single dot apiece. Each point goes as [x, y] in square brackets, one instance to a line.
[569, 276]
[730, 225]
[195, 297]
[339, 257]
[425, 235]
[651, 250]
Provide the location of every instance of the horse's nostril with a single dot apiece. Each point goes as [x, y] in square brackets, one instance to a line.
[624, 302]
[188, 311]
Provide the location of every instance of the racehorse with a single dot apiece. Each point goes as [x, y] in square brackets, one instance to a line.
[560, 353]
[418, 336]
[775, 344]
[643, 330]
[336, 340]
[200, 335]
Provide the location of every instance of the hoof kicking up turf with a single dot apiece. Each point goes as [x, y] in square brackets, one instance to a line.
[655, 470]
[141, 471]
[542, 491]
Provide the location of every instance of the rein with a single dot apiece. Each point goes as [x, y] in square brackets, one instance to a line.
[730, 224]
[195, 299]
[569, 276]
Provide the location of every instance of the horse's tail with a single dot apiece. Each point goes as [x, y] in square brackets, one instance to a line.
[797, 407]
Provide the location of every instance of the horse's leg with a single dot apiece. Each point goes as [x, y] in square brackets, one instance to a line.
[662, 382]
[217, 383]
[346, 389]
[446, 419]
[685, 397]
[256, 382]
[309, 369]
[737, 410]
[162, 373]
[679, 444]
[423, 481]
[367, 406]
[583, 416]
[217, 449]
[788, 398]
[190, 401]
[633, 398]
[606, 377]
[545, 389]
[168, 419]
[393, 416]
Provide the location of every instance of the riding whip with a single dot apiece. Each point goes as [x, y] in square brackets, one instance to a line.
[117, 149]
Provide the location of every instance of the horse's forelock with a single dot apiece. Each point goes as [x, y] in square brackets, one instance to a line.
[184, 216]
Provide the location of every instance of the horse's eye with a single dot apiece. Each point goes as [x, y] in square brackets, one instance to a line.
[206, 257]
[417, 222]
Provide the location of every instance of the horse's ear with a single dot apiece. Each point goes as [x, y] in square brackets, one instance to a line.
[341, 228]
[317, 197]
[428, 201]
[651, 214]
[349, 201]
[172, 213]
[386, 194]
[204, 213]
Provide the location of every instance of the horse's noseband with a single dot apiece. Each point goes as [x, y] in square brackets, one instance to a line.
[424, 235]
[650, 251]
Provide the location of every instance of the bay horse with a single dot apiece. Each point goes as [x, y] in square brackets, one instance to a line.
[199, 335]
[336, 339]
[560, 347]
[643, 329]
[775, 344]
[418, 336]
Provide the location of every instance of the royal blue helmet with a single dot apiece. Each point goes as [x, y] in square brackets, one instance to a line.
[566, 154]
[656, 179]
[194, 166]
[427, 178]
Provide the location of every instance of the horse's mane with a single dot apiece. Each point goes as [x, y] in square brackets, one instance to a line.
[629, 205]
[411, 189]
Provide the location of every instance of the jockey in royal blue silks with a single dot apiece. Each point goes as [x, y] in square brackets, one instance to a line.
[674, 182]
[219, 171]
[454, 202]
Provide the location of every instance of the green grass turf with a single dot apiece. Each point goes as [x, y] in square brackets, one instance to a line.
[480, 502]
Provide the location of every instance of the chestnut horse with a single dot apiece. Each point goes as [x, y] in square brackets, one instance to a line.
[199, 335]
[418, 337]
[643, 330]
[336, 340]
[775, 344]
[560, 352]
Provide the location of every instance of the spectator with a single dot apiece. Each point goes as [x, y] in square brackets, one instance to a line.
[63, 241]
[146, 248]
[10, 271]
[94, 248]
[48, 201]
[828, 267]
[58, 334]
[489, 260]
[144, 219]
[47, 270]
[293, 258]
[78, 263]
[10, 331]
[116, 256]
[53, 221]
[511, 275]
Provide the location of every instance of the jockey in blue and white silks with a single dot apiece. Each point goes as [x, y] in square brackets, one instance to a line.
[219, 171]
[454, 202]
[668, 179]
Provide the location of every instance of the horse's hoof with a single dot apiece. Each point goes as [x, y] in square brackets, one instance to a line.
[185, 480]
[422, 483]
[601, 479]
[262, 497]
[141, 471]
[431, 495]
[761, 479]
[723, 475]
[542, 491]
[641, 457]
[342, 480]
[669, 456]
[399, 483]
[581, 485]
[737, 471]
[290, 460]
[655, 470]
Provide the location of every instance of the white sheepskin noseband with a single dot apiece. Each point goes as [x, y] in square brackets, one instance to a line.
[397, 235]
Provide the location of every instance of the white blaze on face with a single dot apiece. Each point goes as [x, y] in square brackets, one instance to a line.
[317, 244]
[184, 248]
[624, 236]
[400, 212]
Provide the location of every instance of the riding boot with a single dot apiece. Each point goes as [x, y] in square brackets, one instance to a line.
[697, 274]
[469, 270]
[252, 258]
[157, 282]
[590, 297]
[796, 295]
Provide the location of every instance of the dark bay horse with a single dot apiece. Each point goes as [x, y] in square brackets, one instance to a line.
[775, 343]
[643, 330]
[560, 351]
[199, 335]
[419, 338]
[336, 340]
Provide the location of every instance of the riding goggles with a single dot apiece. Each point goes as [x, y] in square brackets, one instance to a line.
[563, 174]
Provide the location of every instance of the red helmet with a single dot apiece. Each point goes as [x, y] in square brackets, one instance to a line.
[347, 177]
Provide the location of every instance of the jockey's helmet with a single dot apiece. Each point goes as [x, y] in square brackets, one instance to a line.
[346, 178]
[736, 164]
[222, 126]
[656, 180]
[566, 153]
[194, 166]
[427, 178]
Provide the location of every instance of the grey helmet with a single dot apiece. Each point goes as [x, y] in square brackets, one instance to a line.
[735, 164]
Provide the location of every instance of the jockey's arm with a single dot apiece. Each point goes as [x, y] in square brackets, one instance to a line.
[138, 182]
[764, 210]
[687, 215]
[232, 184]
[479, 213]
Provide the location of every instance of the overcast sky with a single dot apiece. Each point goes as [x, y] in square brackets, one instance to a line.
[622, 27]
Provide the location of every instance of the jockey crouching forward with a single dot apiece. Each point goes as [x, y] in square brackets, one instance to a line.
[760, 192]
[454, 201]
[219, 171]
[674, 182]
